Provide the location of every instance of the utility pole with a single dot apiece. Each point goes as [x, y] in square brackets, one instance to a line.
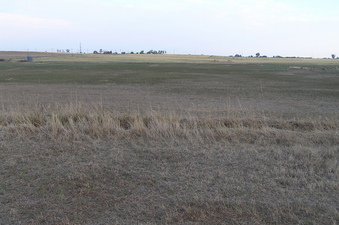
[80, 48]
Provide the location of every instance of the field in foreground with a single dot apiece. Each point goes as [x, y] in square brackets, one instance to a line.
[169, 140]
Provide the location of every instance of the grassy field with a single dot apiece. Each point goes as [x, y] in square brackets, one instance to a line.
[168, 139]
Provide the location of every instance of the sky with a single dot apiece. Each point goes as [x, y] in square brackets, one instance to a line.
[302, 28]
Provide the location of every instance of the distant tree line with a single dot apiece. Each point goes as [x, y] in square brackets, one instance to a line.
[278, 56]
[251, 56]
[63, 51]
[257, 55]
[122, 53]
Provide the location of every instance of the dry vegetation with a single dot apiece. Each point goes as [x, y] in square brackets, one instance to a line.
[10, 55]
[150, 154]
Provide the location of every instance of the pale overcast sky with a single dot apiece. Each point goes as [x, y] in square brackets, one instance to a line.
[216, 27]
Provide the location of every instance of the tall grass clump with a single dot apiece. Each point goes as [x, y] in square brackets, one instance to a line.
[78, 121]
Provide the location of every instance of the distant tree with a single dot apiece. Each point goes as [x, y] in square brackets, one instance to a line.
[95, 52]
[257, 54]
[333, 56]
[237, 55]
[153, 52]
[67, 50]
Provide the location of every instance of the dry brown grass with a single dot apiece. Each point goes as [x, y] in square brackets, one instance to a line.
[80, 163]
[7, 55]
[238, 142]
[210, 59]
[78, 120]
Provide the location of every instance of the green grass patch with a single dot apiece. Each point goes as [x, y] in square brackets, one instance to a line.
[191, 75]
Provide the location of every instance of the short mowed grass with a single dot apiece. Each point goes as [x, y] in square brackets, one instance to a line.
[238, 141]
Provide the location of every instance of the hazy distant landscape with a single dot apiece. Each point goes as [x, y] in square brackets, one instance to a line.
[168, 139]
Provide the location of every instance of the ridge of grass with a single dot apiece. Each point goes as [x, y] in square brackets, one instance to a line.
[80, 120]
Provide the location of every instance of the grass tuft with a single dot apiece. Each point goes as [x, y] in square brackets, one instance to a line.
[80, 121]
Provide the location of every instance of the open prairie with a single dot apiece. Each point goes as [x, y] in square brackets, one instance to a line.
[168, 139]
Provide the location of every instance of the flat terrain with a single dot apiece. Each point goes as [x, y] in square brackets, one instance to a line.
[168, 139]
[15, 56]
[208, 83]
